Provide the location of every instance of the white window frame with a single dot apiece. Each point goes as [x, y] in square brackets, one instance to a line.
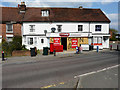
[45, 13]
[41, 40]
[7, 30]
[29, 42]
[98, 27]
[32, 28]
[8, 40]
[80, 28]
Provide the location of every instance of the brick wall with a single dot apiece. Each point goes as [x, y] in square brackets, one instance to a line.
[3, 31]
[110, 34]
[21, 53]
[0, 29]
[17, 29]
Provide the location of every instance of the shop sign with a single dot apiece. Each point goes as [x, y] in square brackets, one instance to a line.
[64, 34]
[74, 43]
[56, 41]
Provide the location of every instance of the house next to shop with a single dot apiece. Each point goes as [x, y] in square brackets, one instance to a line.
[69, 27]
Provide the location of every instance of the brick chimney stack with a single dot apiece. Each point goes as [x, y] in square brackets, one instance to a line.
[22, 7]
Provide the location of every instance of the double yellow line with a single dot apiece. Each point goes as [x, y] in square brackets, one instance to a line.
[52, 85]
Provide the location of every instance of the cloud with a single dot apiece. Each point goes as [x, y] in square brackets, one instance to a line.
[114, 20]
[61, 0]
[58, 4]
[108, 1]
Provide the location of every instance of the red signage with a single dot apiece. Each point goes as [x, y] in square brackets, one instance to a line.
[56, 41]
[64, 34]
[74, 43]
[96, 44]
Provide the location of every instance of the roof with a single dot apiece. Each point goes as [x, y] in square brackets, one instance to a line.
[33, 14]
[10, 14]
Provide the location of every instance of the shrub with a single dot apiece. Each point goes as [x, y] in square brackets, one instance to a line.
[17, 43]
[8, 47]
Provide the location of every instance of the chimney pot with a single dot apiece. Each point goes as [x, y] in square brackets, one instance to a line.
[22, 3]
[81, 7]
[22, 7]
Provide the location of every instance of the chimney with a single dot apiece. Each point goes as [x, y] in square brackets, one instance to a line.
[22, 7]
[80, 7]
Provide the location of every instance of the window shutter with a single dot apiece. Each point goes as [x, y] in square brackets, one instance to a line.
[35, 40]
[28, 40]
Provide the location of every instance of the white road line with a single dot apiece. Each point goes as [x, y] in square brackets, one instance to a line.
[96, 71]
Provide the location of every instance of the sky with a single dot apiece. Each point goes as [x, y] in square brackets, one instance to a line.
[109, 7]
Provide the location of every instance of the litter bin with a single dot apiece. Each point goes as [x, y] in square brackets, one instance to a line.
[32, 50]
[45, 50]
[90, 47]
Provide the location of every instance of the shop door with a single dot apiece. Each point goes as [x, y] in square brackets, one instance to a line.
[64, 43]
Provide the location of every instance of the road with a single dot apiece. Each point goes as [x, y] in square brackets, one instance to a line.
[54, 70]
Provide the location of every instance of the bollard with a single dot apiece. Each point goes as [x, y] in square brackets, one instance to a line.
[54, 53]
[3, 56]
[110, 47]
[97, 48]
[77, 50]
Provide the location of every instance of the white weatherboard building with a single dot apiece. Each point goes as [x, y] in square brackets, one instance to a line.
[69, 27]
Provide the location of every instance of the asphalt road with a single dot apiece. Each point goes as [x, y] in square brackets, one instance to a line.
[54, 70]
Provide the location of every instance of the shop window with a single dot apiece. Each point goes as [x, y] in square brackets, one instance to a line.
[32, 28]
[95, 40]
[9, 28]
[98, 40]
[59, 28]
[98, 28]
[80, 27]
[45, 13]
[42, 40]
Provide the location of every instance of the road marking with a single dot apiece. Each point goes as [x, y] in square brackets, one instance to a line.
[49, 86]
[96, 71]
[61, 83]
[52, 85]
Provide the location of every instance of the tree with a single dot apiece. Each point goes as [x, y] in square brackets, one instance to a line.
[114, 32]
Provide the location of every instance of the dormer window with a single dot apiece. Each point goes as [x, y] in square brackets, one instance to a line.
[45, 13]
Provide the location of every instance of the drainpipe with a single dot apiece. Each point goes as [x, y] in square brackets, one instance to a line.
[89, 31]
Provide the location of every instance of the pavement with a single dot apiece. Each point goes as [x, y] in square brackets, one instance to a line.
[25, 59]
[105, 78]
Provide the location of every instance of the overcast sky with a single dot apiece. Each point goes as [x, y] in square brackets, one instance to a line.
[109, 7]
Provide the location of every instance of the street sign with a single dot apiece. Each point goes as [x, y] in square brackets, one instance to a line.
[64, 34]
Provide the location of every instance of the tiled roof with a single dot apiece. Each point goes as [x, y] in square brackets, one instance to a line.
[56, 15]
[10, 14]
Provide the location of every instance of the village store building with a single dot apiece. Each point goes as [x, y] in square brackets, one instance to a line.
[69, 27]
